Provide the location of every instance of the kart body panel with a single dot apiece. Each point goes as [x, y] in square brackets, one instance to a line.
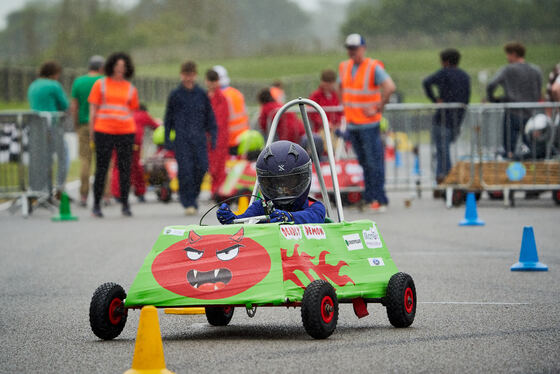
[261, 264]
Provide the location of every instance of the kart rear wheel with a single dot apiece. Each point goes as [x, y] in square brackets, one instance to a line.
[107, 315]
[219, 315]
[401, 300]
[164, 193]
[319, 309]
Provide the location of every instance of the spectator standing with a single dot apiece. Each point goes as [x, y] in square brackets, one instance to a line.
[79, 107]
[238, 121]
[521, 82]
[46, 94]
[142, 119]
[553, 85]
[113, 100]
[326, 96]
[289, 128]
[190, 114]
[453, 86]
[217, 157]
[365, 89]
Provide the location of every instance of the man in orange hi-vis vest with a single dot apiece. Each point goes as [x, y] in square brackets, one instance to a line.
[365, 89]
[238, 121]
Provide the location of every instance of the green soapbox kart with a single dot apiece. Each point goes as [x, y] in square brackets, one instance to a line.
[249, 265]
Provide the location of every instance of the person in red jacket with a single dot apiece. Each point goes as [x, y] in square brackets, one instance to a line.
[142, 119]
[290, 126]
[217, 157]
[325, 96]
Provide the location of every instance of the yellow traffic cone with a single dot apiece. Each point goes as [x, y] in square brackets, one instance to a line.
[148, 351]
[242, 205]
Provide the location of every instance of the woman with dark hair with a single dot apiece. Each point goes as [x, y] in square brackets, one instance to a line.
[112, 102]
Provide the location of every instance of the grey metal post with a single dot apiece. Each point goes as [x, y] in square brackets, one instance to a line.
[330, 153]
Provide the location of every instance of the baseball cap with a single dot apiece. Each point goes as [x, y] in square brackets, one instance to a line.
[354, 40]
[223, 74]
[96, 62]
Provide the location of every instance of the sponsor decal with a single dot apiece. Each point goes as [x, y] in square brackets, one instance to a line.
[172, 231]
[291, 232]
[377, 261]
[314, 232]
[353, 242]
[372, 239]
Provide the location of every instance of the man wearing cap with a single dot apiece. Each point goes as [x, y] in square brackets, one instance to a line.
[365, 88]
[238, 121]
[79, 108]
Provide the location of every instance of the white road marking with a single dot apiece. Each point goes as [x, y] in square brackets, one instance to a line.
[470, 303]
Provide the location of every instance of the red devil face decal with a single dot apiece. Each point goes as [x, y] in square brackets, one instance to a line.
[211, 266]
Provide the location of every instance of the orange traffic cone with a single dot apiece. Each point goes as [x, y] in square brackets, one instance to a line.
[148, 351]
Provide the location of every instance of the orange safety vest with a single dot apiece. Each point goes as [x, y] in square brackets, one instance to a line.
[238, 121]
[359, 92]
[109, 115]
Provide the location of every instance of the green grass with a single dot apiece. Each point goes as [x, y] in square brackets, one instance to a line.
[408, 67]
[14, 105]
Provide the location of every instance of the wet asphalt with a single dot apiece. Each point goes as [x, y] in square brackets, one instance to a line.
[474, 314]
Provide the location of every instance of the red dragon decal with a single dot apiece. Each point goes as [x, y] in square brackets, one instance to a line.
[303, 263]
[211, 266]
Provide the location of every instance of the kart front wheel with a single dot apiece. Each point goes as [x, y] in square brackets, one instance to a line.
[107, 315]
[401, 300]
[319, 309]
[219, 315]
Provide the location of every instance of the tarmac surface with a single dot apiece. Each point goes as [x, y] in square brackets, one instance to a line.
[474, 314]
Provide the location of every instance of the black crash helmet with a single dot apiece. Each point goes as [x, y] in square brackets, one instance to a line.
[284, 174]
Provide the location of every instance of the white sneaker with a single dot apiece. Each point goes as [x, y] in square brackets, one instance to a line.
[191, 211]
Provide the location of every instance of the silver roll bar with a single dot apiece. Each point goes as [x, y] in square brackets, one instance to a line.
[314, 156]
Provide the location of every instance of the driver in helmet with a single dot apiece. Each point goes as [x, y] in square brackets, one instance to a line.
[284, 175]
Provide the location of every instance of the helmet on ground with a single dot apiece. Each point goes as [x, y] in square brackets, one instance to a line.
[538, 132]
[538, 127]
[250, 141]
[284, 174]
[158, 137]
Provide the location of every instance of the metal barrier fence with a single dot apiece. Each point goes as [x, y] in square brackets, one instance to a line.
[14, 82]
[498, 148]
[27, 142]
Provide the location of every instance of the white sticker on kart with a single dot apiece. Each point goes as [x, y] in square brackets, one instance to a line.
[291, 232]
[377, 261]
[372, 239]
[174, 232]
[314, 232]
[353, 242]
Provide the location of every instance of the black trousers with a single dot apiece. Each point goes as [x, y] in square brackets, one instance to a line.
[104, 145]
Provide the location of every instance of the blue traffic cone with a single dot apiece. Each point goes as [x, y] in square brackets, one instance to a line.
[471, 216]
[528, 257]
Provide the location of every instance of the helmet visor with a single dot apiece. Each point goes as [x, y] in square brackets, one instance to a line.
[287, 186]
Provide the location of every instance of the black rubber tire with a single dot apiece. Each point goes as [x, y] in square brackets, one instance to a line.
[103, 303]
[400, 308]
[556, 196]
[319, 309]
[496, 195]
[164, 193]
[458, 197]
[219, 315]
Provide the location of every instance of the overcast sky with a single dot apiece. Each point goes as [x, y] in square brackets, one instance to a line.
[7, 6]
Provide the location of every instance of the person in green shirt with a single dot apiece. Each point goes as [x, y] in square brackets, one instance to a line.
[46, 94]
[79, 108]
